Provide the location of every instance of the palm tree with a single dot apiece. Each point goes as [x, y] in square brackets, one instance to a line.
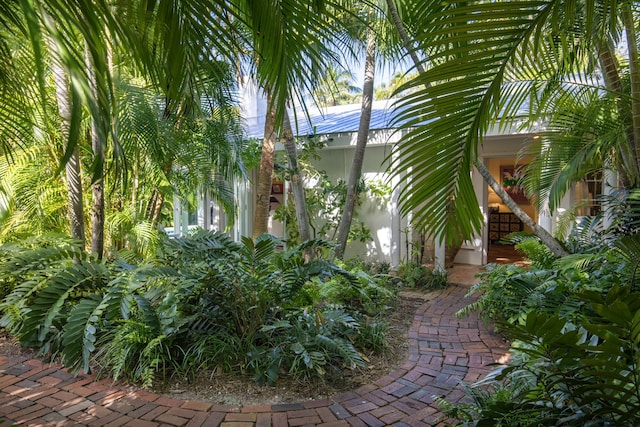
[288, 63]
[377, 40]
[358, 157]
[265, 173]
[336, 88]
[386, 91]
[72, 166]
[168, 45]
[166, 41]
[482, 72]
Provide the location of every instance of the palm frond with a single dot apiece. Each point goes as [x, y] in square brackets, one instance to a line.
[473, 50]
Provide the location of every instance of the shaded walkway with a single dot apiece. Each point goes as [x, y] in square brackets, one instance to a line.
[443, 351]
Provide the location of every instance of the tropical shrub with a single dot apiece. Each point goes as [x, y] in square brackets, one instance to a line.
[361, 290]
[307, 343]
[204, 302]
[576, 343]
[416, 275]
[568, 373]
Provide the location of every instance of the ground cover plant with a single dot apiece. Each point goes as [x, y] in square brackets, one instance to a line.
[204, 302]
[415, 275]
[574, 324]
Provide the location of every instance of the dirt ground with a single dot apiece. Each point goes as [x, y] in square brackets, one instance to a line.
[237, 390]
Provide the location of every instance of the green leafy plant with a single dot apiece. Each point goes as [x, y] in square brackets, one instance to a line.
[419, 276]
[360, 291]
[204, 302]
[533, 249]
[308, 343]
[576, 345]
[571, 374]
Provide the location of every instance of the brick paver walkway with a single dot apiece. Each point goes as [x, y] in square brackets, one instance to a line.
[444, 350]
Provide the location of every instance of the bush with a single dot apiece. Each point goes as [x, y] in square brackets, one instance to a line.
[419, 276]
[361, 291]
[576, 343]
[205, 302]
[564, 373]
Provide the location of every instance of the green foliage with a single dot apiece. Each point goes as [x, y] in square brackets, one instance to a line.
[136, 351]
[571, 374]
[419, 276]
[326, 198]
[308, 343]
[508, 292]
[501, 293]
[365, 292]
[533, 249]
[373, 333]
[48, 283]
[205, 302]
[575, 330]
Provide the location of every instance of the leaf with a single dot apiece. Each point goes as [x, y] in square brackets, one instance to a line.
[51, 303]
[80, 332]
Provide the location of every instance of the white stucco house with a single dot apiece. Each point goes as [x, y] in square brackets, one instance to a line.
[393, 235]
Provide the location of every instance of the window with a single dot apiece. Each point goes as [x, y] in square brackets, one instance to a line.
[588, 194]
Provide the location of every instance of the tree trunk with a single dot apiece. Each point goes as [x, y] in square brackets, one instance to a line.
[74, 191]
[361, 144]
[263, 189]
[628, 169]
[404, 36]
[97, 219]
[158, 201]
[97, 187]
[540, 232]
[634, 74]
[72, 168]
[297, 183]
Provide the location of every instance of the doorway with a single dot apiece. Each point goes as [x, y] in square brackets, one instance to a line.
[503, 254]
[501, 221]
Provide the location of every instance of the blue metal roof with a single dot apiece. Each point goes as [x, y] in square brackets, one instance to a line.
[329, 120]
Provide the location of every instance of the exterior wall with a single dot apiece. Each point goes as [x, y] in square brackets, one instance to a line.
[376, 214]
[391, 232]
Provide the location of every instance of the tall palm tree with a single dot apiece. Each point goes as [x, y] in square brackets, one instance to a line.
[361, 142]
[377, 39]
[288, 63]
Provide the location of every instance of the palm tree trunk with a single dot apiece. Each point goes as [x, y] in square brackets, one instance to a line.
[634, 74]
[263, 189]
[404, 36]
[72, 167]
[297, 183]
[540, 232]
[361, 144]
[158, 201]
[97, 187]
[97, 219]
[611, 74]
[74, 191]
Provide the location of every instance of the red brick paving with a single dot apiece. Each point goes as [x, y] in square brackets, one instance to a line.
[443, 351]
